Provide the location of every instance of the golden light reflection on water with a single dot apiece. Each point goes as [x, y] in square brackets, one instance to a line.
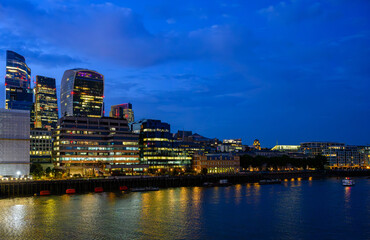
[347, 195]
[178, 207]
[238, 193]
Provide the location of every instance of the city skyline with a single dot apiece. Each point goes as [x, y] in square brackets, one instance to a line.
[314, 89]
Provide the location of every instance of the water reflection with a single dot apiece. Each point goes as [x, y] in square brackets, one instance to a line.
[249, 211]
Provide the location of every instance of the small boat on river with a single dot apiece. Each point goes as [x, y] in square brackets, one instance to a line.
[145, 189]
[347, 182]
[269, 181]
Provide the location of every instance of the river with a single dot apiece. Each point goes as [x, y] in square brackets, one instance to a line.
[318, 209]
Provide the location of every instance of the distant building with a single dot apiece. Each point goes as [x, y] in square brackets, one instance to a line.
[257, 144]
[317, 148]
[17, 83]
[157, 145]
[230, 145]
[122, 111]
[286, 148]
[46, 104]
[346, 156]
[82, 93]
[41, 146]
[216, 163]
[86, 145]
[14, 142]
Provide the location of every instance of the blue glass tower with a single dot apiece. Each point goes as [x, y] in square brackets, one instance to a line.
[19, 94]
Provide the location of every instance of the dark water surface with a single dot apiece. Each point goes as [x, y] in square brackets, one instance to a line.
[318, 209]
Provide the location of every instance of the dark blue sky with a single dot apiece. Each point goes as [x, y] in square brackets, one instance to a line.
[286, 71]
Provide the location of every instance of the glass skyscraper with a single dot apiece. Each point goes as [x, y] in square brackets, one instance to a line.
[46, 105]
[122, 111]
[82, 93]
[17, 82]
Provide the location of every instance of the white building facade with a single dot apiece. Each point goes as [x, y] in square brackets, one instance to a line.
[14, 142]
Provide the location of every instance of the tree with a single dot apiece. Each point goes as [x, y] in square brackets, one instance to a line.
[36, 170]
[48, 171]
[204, 171]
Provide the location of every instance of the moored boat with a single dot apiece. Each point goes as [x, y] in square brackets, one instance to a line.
[70, 191]
[348, 182]
[145, 189]
[44, 193]
[269, 181]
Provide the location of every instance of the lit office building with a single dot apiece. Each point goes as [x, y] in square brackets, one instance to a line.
[90, 146]
[122, 111]
[17, 83]
[41, 146]
[82, 93]
[340, 156]
[14, 142]
[46, 104]
[156, 145]
[230, 145]
[286, 148]
[317, 148]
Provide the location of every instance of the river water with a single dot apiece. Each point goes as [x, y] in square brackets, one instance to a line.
[318, 209]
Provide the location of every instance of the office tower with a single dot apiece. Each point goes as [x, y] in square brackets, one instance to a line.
[17, 83]
[88, 145]
[157, 148]
[82, 93]
[122, 111]
[46, 105]
[14, 142]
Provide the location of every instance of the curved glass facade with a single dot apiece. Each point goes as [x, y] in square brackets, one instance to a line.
[82, 93]
[17, 82]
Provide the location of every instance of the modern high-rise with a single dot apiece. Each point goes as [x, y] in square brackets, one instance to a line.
[122, 111]
[14, 142]
[82, 93]
[17, 82]
[46, 104]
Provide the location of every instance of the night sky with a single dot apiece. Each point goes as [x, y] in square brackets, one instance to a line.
[289, 71]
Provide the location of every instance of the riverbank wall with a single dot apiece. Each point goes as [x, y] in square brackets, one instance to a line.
[113, 184]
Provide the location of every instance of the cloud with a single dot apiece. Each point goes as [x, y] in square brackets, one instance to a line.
[35, 50]
[293, 11]
[114, 33]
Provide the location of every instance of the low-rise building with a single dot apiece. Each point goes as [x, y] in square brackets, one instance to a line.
[317, 148]
[86, 145]
[41, 146]
[158, 148]
[216, 163]
[286, 148]
[230, 145]
[346, 156]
